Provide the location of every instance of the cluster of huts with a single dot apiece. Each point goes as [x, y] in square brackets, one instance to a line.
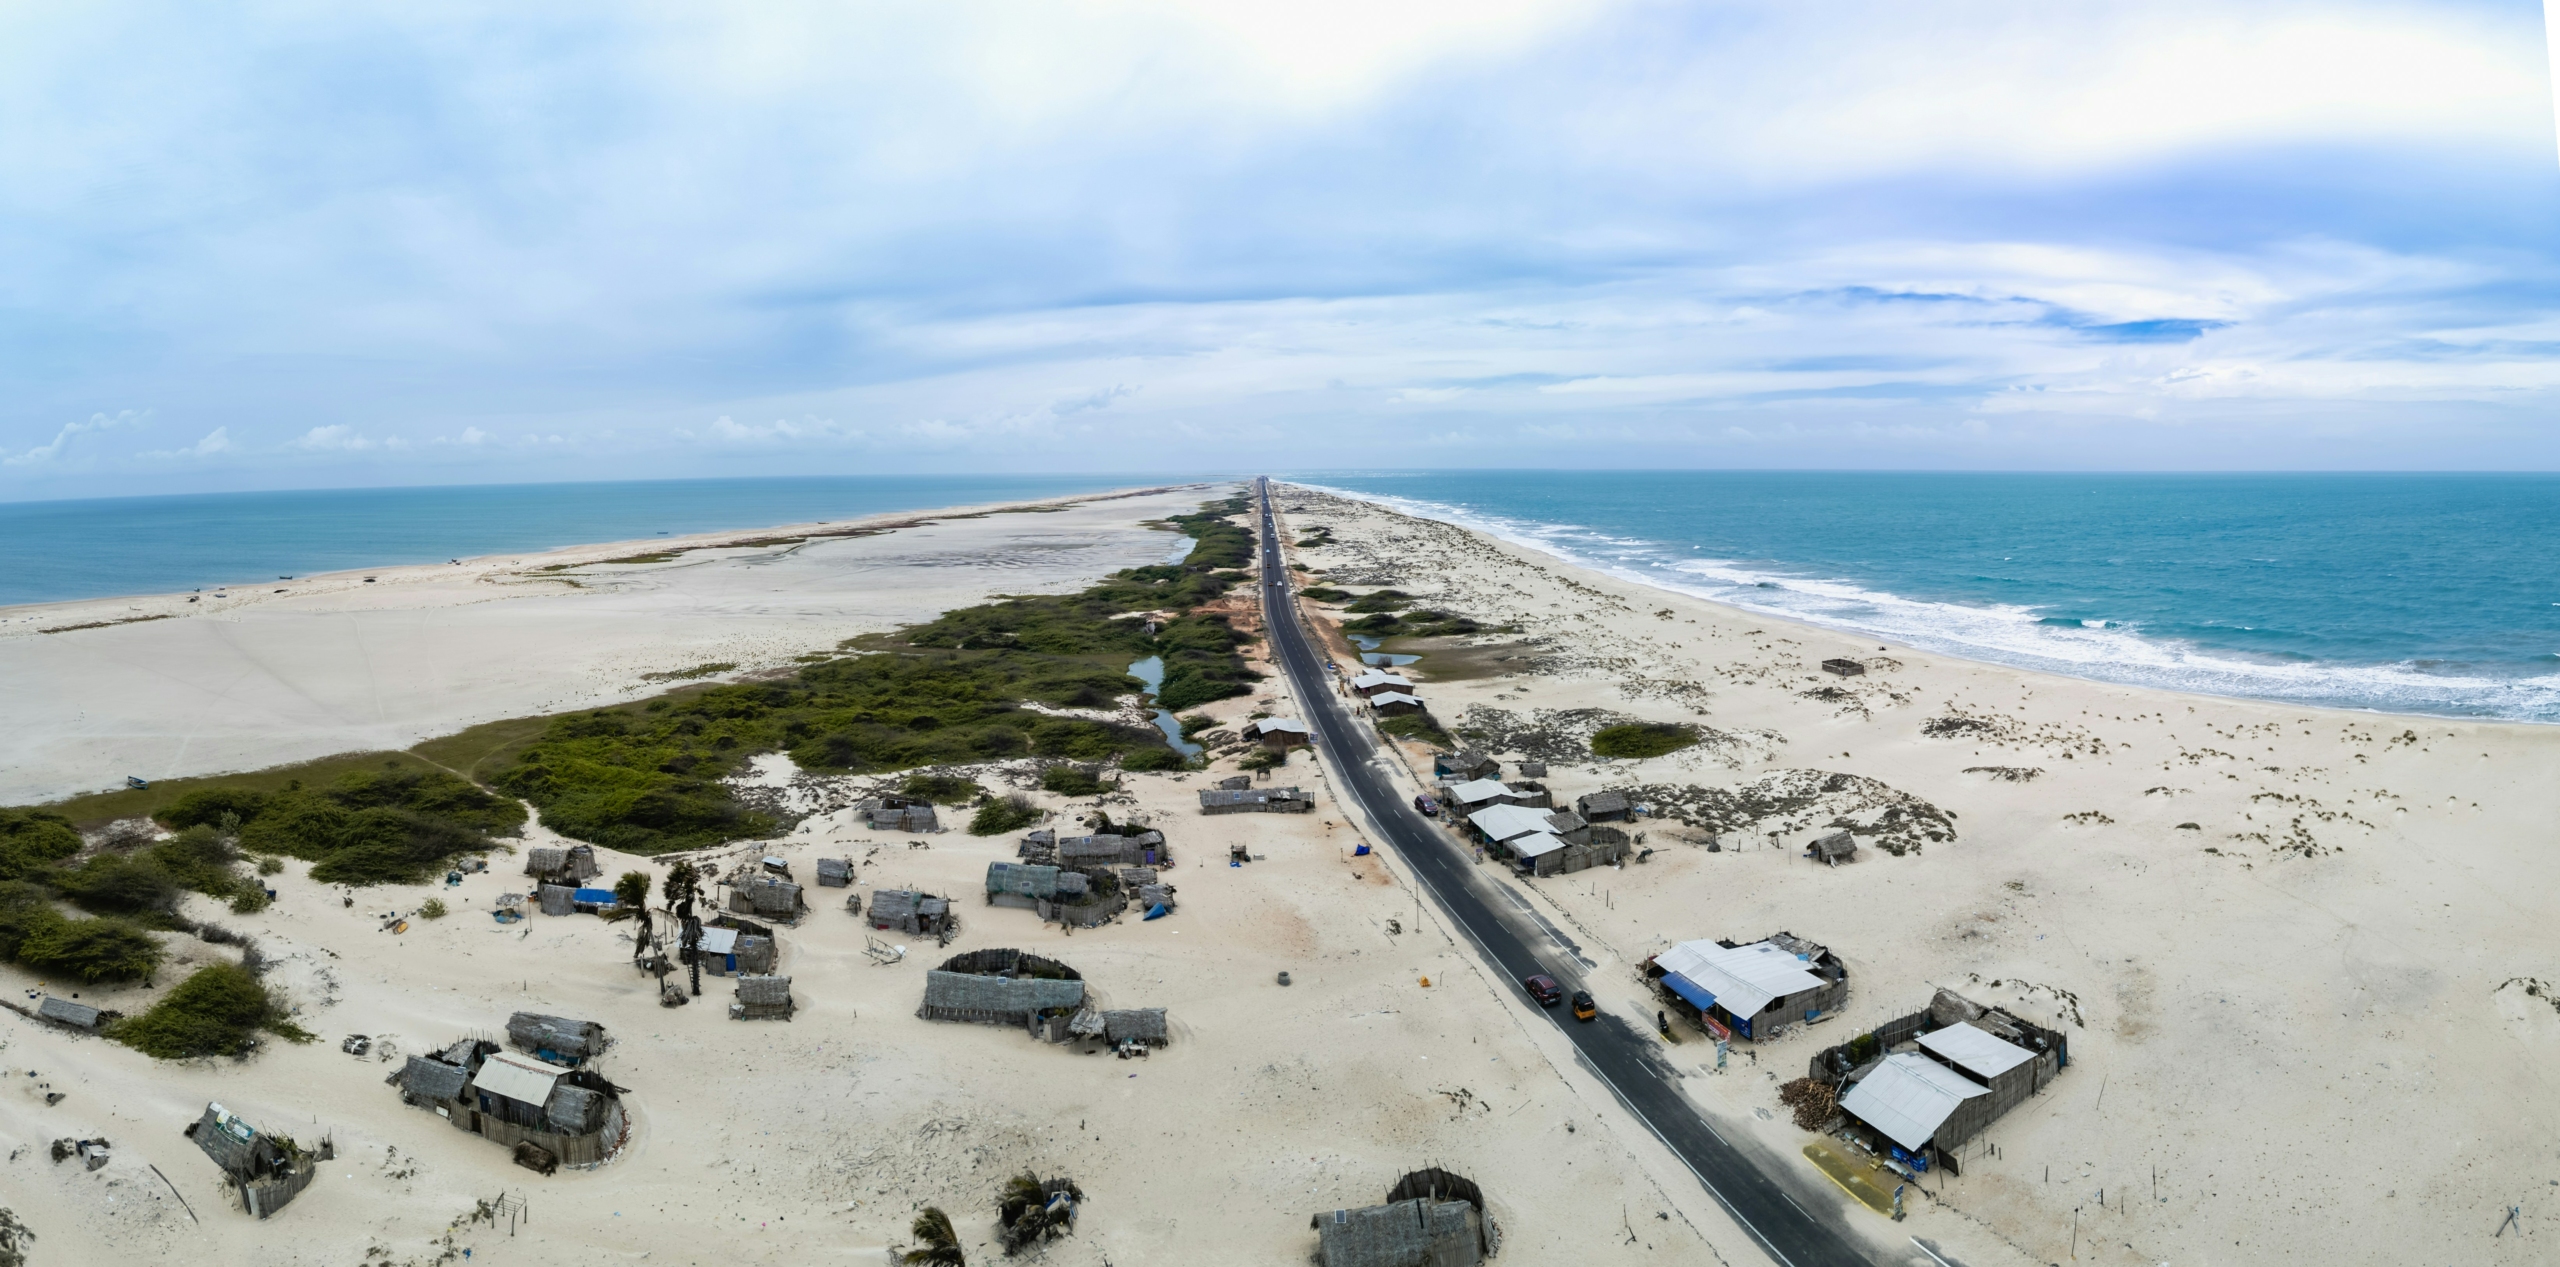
[1519, 821]
[1431, 1218]
[1237, 795]
[1083, 881]
[560, 875]
[891, 812]
[1760, 991]
[543, 1099]
[1921, 1086]
[765, 889]
[1039, 995]
[1387, 694]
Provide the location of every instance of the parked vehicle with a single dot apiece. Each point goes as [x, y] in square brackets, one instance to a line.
[1544, 989]
[1583, 1008]
[1430, 808]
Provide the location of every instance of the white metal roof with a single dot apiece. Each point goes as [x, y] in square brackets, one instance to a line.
[719, 941]
[1384, 698]
[1744, 978]
[517, 1077]
[1477, 791]
[1908, 1097]
[1375, 678]
[1289, 725]
[1535, 843]
[1975, 1050]
[1504, 823]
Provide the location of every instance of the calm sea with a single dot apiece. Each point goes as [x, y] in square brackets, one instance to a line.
[2435, 594]
[50, 551]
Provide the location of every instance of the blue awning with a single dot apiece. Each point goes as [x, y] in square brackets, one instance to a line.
[600, 897]
[1684, 987]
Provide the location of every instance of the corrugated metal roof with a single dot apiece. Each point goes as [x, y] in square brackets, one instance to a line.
[1973, 1049]
[1477, 791]
[1699, 996]
[1386, 699]
[1744, 978]
[1501, 823]
[517, 1077]
[1908, 1098]
[719, 941]
[1282, 725]
[1375, 678]
[1534, 844]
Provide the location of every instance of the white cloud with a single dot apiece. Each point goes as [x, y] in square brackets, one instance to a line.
[53, 449]
[337, 437]
[215, 441]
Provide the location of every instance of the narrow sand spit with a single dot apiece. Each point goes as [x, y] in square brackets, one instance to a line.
[285, 671]
[817, 1139]
[2304, 957]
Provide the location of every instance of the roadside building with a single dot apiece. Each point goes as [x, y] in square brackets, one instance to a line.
[1476, 794]
[1605, 807]
[1373, 682]
[1253, 800]
[1758, 991]
[1278, 732]
[1930, 1082]
[1394, 704]
[1463, 766]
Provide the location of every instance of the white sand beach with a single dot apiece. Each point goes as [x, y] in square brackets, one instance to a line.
[2320, 1015]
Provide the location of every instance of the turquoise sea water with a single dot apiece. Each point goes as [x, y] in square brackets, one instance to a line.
[50, 551]
[2435, 594]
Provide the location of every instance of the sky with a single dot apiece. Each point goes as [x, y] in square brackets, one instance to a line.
[328, 245]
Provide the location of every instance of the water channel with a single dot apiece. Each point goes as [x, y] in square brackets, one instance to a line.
[1151, 672]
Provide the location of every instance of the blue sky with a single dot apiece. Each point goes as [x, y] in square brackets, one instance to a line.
[311, 245]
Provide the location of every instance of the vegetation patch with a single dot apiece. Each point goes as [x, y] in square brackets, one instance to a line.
[1073, 780]
[1421, 726]
[1642, 739]
[216, 1012]
[1004, 814]
[1325, 594]
[1424, 623]
[1381, 601]
[35, 935]
[943, 789]
[391, 825]
[695, 673]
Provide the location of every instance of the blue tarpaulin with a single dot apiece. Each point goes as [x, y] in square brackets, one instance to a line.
[601, 897]
[1158, 911]
[1684, 987]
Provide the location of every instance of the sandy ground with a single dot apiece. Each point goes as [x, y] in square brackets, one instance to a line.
[2305, 958]
[816, 1140]
[254, 676]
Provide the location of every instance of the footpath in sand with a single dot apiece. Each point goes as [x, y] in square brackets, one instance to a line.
[816, 1140]
[2305, 959]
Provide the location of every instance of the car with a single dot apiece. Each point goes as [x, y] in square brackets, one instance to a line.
[1430, 808]
[1544, 989]
[1583, 1008]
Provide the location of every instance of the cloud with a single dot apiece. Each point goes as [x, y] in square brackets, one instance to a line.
[333, 438]
[1099, 398]
[215, 441]
[53, 449]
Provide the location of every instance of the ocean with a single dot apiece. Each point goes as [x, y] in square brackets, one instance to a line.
[100, 548]
[2426, 594]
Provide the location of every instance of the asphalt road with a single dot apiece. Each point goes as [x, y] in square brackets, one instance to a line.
[1516, 942]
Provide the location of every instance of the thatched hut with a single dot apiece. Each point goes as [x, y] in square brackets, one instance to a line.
[1001, 987]
[835, 873]
[1140, 849]
[570, 866]
[556, 899]
[912, 911]
[765, 998]
[549, 1114]
[556, 1039]
[1253, 800]
[266, 1170]
[1142, 1025]
[767, 897]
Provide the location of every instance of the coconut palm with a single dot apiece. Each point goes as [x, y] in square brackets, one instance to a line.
[941, 1246]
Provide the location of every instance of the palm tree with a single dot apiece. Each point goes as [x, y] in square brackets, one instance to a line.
[941, 1246]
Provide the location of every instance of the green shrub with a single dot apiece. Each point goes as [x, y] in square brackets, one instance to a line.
[1145, 759]
[216, 1012]
[92, 949]
[205, 806]
[32, 840]
[1072, 780]
[270, 865]
[125, 885]
[249, 899]
[1416, 726]
[1264, 759]
[1324, 594]
[434, 908]
[1643, 739]
[1004, 814]
[942, 789]
[1382, 601]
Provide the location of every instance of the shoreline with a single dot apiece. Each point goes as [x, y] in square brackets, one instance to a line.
[577, 554]
[2209, 661]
